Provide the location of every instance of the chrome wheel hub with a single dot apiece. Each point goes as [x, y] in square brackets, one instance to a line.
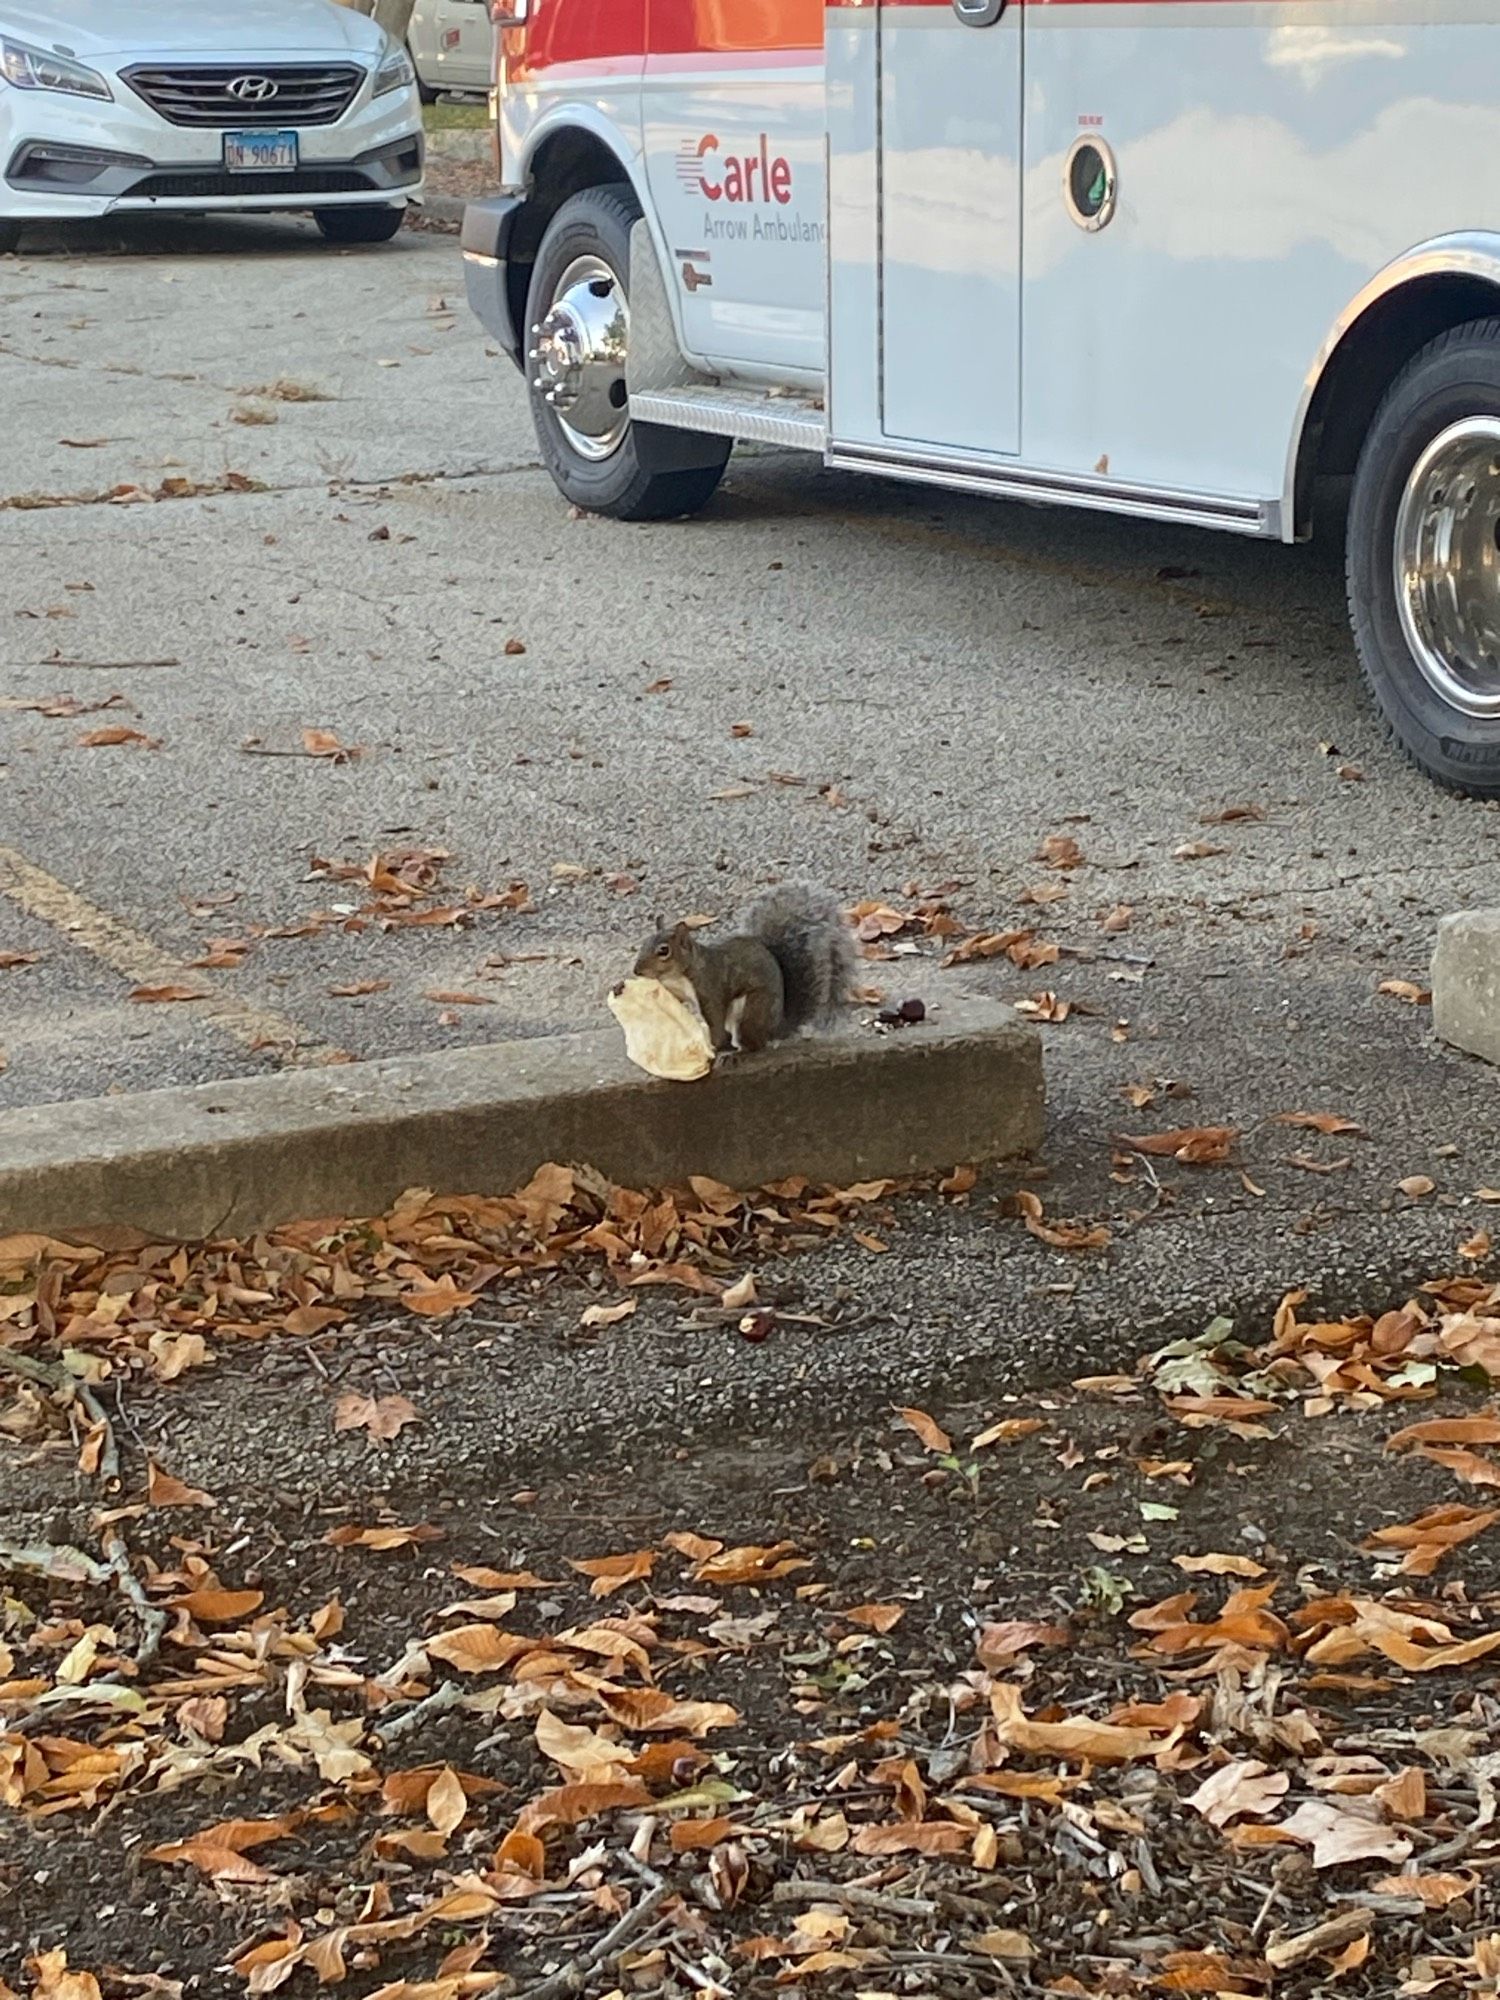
[577, 357]
[1448, 565]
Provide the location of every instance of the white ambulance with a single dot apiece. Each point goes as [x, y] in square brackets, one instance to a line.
[1193, 260]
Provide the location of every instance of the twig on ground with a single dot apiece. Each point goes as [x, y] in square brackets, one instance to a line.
[572, 1977]
[154, 1620]
[446, 1695]
[856, 1898]
[59, 1562]
[52, 1375]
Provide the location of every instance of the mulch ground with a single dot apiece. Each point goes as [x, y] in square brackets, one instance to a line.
[1173, 1681]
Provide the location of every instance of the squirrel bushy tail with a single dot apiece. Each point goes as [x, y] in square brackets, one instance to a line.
[808, 935]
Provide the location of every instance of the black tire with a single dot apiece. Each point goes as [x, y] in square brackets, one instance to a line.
[10, 237]
[359, 225]
[425, 91]
[651, 474]
[1456, 376]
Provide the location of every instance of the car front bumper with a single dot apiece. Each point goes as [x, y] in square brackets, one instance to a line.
[80, 157]
[485, 243]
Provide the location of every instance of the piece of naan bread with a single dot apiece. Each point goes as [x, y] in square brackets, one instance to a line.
[663, 1035]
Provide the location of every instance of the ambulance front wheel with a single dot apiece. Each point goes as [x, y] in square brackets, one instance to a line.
[1423, 558]
[577, 337]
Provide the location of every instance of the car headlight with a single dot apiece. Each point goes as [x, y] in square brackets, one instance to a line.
[38, 69]
[395, 73]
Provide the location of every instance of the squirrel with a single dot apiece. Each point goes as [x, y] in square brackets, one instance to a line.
[788, 963]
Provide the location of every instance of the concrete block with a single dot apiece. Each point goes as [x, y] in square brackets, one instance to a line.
[965, 1086]
[1466, 982]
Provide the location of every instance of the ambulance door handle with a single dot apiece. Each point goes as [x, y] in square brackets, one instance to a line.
[979, 13]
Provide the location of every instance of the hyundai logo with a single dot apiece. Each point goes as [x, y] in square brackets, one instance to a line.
[253, 89]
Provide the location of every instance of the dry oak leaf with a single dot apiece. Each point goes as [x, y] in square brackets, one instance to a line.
[1428, 1538]
[931, 1836]
[55, 1982]
[1060, 1235]
[1358, 1625]
[1447, 1430]
[1244, 1621]
[932, 1434]
[147, 994]
[382, 1539]
[1193, 1145]
[116, 733]
[583, 1753]
[1244, 1786]
[478, 1649]
[1006, 1430]
[1217, 1565]
[446, 1801]
[651, 1709]
[754, 1563]
[437, 1300]
[874, 1617]
[1326, 1122]
[504, 1579]
[570, 1805]
[1336, 1835]
[218, 1607]
[162, 1490]
[1002, 1641]
[697, 1548]
[612, 1573]
[1406, 989]
[1059, 850]
[219, 1851]
[382, 1416]
[1436, 1891]
[1077, 1738]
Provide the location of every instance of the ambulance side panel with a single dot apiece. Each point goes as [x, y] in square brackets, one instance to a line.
[1272, 158]
[734, 153]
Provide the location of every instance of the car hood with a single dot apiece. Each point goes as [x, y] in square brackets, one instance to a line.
[226, 28]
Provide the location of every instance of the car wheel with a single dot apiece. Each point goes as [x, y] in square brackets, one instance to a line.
[578, 329]
[359, 225]
[10, 236]
[1423, 555]
[425, 91]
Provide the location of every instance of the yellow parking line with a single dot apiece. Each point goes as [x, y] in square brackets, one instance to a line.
[137, 959]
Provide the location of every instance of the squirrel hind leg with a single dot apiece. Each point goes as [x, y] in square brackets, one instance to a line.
[752, 1021]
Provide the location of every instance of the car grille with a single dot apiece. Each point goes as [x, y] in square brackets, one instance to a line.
[304, 94]
[208, 184]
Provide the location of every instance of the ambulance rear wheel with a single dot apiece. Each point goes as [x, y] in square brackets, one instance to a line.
[577, 337]
[1423, 558]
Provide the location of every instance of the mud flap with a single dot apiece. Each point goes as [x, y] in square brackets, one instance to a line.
[654, 361]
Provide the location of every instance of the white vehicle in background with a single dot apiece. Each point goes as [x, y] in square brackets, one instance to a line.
[452, 46]
[178, 105]
[1187, 260]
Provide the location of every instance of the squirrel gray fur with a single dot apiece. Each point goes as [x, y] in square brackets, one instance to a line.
[788, 963]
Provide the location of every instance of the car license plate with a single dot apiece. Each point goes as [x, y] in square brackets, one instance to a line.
[260, 152]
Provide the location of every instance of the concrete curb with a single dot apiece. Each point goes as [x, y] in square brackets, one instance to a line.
[965, 1086]
[460, 142]
[1466, 982]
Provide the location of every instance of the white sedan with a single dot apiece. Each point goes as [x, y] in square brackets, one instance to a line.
[200, 105]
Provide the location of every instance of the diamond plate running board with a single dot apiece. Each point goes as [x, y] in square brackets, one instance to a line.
[751, 414]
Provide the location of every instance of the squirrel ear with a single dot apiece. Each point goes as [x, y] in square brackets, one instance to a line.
[681, 933]
[658, 922]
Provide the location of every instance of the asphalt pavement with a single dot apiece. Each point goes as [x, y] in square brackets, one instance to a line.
[901, 693]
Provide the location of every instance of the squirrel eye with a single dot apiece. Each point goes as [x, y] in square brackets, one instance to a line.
[664, 951]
